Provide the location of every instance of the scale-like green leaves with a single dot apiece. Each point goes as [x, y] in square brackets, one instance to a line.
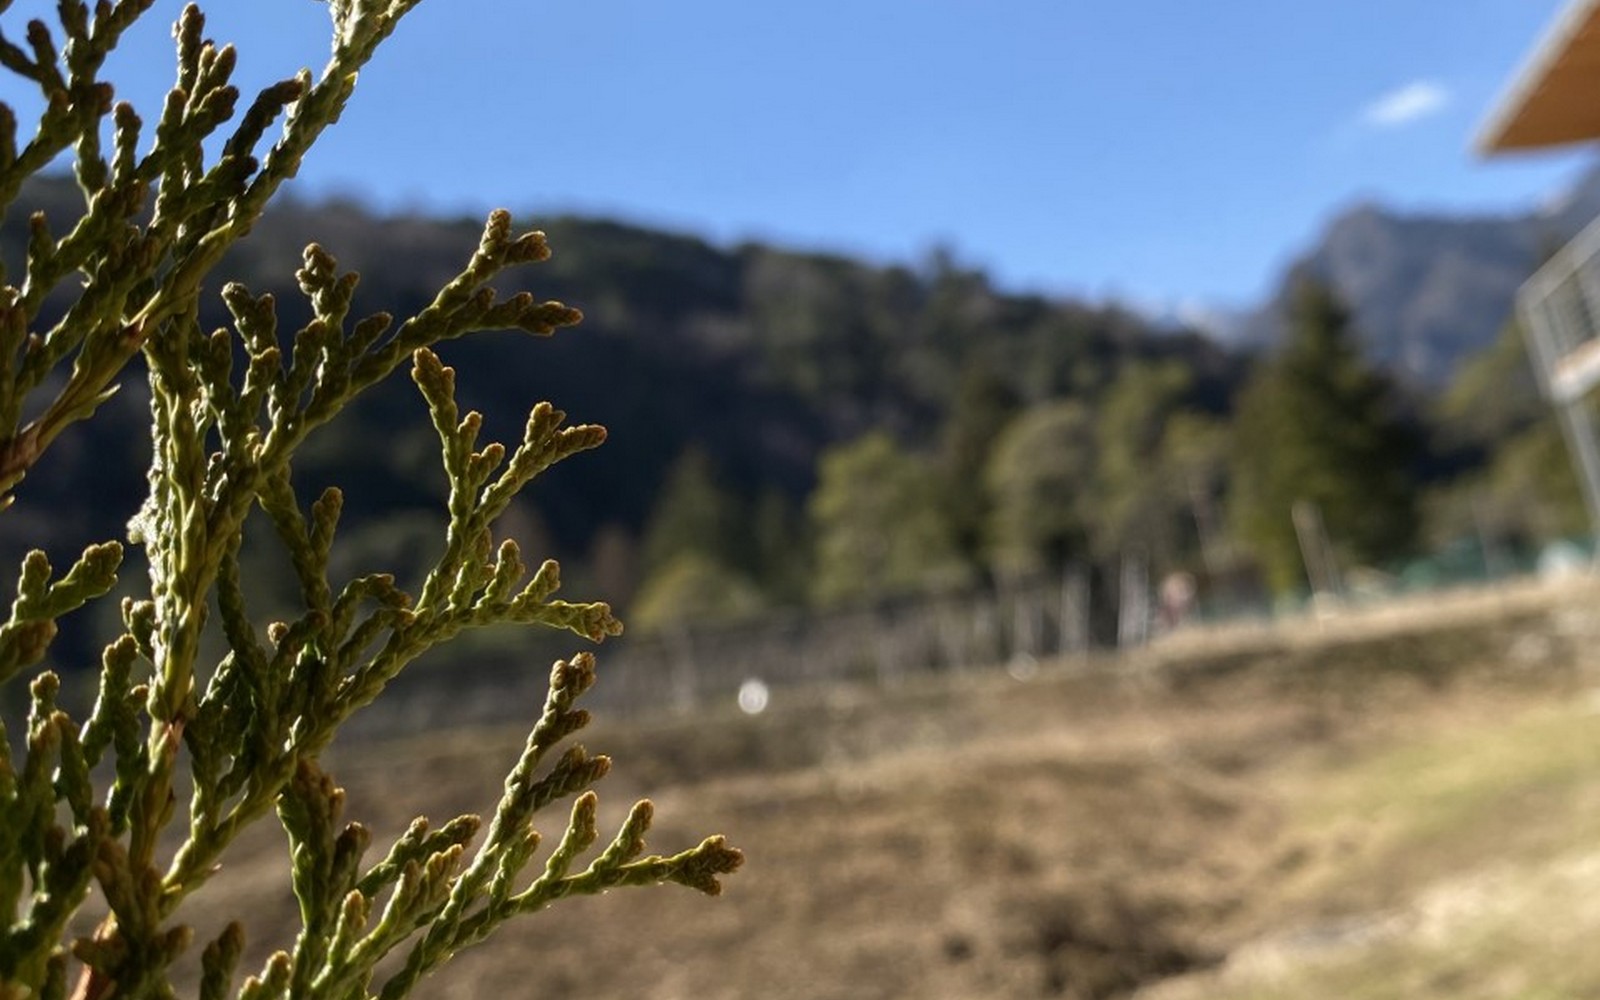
[86, 807]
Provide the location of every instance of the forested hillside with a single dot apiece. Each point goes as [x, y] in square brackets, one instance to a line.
[799, 428]
[746, 363]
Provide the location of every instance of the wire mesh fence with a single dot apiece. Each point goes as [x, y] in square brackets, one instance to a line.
[1022, 627]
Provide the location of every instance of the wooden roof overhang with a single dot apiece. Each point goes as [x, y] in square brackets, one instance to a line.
[1555, 98]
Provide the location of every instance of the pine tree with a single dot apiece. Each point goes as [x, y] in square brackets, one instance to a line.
[1318, 424]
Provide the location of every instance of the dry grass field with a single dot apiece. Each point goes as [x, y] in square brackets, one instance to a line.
[1397, 803]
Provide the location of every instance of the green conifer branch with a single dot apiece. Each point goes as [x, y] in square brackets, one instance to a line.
[199, 213]
[249, 729]
[26, 636]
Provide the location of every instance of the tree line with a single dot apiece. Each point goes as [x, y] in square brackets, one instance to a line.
[1148, 461]
[807, 429]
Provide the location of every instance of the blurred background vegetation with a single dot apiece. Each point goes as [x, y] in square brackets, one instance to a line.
[832, 470]
[803, 430]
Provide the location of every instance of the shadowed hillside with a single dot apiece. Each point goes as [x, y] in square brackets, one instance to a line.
[757, 357]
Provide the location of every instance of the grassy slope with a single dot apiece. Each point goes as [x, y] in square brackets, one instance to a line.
[1388, 807]
[1463, 862]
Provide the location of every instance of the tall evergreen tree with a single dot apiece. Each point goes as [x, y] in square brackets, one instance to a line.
[985, 403]
[696, 549]
[1318, 424]
[782, 546]
[694, 514]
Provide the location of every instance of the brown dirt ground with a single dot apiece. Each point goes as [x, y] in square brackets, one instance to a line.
[1101, 827]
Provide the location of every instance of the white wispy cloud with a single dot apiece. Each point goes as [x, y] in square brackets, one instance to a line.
[1404, 105]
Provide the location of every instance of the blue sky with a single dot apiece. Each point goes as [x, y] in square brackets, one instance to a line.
[1172, 154]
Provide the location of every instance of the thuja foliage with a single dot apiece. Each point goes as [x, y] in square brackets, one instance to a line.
[90, 808]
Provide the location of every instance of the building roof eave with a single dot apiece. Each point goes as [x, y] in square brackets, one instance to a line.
[1555, 97]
